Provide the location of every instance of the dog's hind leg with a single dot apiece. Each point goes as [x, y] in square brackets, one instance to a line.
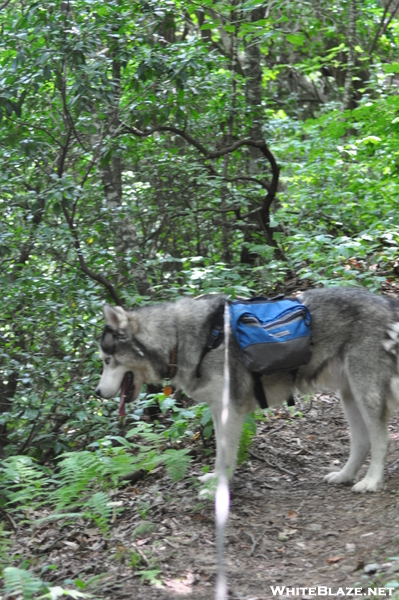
[360, 442]
[379, 440]
[370, 402]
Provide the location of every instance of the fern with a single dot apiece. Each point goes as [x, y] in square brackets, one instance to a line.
[19, 582]
[248, 432]
[5, 545]
[81, 486]
[23, 584]
[98, 509]
[145, 431]
[22, 482]
[176, 462]
[82, 472]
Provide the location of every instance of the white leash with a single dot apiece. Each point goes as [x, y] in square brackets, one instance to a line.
[222, 499]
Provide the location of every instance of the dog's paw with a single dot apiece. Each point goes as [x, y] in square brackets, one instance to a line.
[337, 477]
[367, 485]
[207, 477]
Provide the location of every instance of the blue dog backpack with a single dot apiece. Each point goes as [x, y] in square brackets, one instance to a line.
[273, 335]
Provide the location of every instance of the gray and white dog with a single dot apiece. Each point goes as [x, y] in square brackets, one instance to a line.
[355, 338]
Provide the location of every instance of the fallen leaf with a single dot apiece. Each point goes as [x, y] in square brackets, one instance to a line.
[292, 514]
[72, 545]
[182, 587]
[335, 559]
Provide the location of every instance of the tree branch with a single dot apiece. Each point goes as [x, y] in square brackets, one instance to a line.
[70, 222]
[380, 25]
[82, 263]
[271, 189]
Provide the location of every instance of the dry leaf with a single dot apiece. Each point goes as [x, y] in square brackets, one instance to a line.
[335, 559]
[72, 545]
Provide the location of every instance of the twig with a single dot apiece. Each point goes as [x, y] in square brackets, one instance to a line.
[143, 556]
[32, 432]
[278, 467]
[82, 263]
[380, 25]
[9, 517]
[171, 544]
[255, 542]
[53, 545]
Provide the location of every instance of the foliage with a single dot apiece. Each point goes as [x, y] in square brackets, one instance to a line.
[84, 478]
[22, 584]
[346, 190]
[126, 175]
[91, 199]
[248, 432]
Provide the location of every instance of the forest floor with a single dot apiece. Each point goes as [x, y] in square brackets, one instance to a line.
[286, 526]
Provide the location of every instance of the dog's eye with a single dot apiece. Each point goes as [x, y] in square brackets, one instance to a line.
[107, 361]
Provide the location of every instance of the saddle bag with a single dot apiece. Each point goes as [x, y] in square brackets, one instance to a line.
[273, 335]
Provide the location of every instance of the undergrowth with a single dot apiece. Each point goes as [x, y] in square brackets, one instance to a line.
[80, 484]
[20, 583]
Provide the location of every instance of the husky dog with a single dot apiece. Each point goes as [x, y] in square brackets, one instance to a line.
[355, 336]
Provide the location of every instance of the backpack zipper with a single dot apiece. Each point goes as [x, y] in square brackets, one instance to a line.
[293, 316]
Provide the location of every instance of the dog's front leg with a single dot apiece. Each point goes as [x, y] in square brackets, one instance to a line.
[227, 436]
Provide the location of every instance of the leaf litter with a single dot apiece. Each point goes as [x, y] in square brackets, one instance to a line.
[286, 527]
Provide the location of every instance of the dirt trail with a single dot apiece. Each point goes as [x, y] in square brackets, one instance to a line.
[287, 527]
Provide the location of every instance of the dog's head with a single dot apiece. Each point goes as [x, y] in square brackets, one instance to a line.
[124, 363]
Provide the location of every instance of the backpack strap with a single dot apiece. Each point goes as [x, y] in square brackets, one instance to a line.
[215, 337]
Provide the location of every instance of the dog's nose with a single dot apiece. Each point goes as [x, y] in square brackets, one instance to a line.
[98, 392]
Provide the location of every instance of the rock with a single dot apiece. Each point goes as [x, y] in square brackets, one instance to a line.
[371, 568]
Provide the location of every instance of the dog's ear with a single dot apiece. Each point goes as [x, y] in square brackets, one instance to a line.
[115, 317]
[133, 322]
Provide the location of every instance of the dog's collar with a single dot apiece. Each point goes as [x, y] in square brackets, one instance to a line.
[167, 388]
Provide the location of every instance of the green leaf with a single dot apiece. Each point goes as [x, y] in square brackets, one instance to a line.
[295, 38]
[392, 68]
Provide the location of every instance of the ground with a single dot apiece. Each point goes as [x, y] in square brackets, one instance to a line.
[286, 526]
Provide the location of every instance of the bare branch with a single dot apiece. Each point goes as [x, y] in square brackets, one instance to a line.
[264, 210]
[82, 263]
[70, 221]
[381, 25]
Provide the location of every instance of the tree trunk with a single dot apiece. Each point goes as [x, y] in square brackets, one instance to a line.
[126, 239]
[253, 91]
[349, 100]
